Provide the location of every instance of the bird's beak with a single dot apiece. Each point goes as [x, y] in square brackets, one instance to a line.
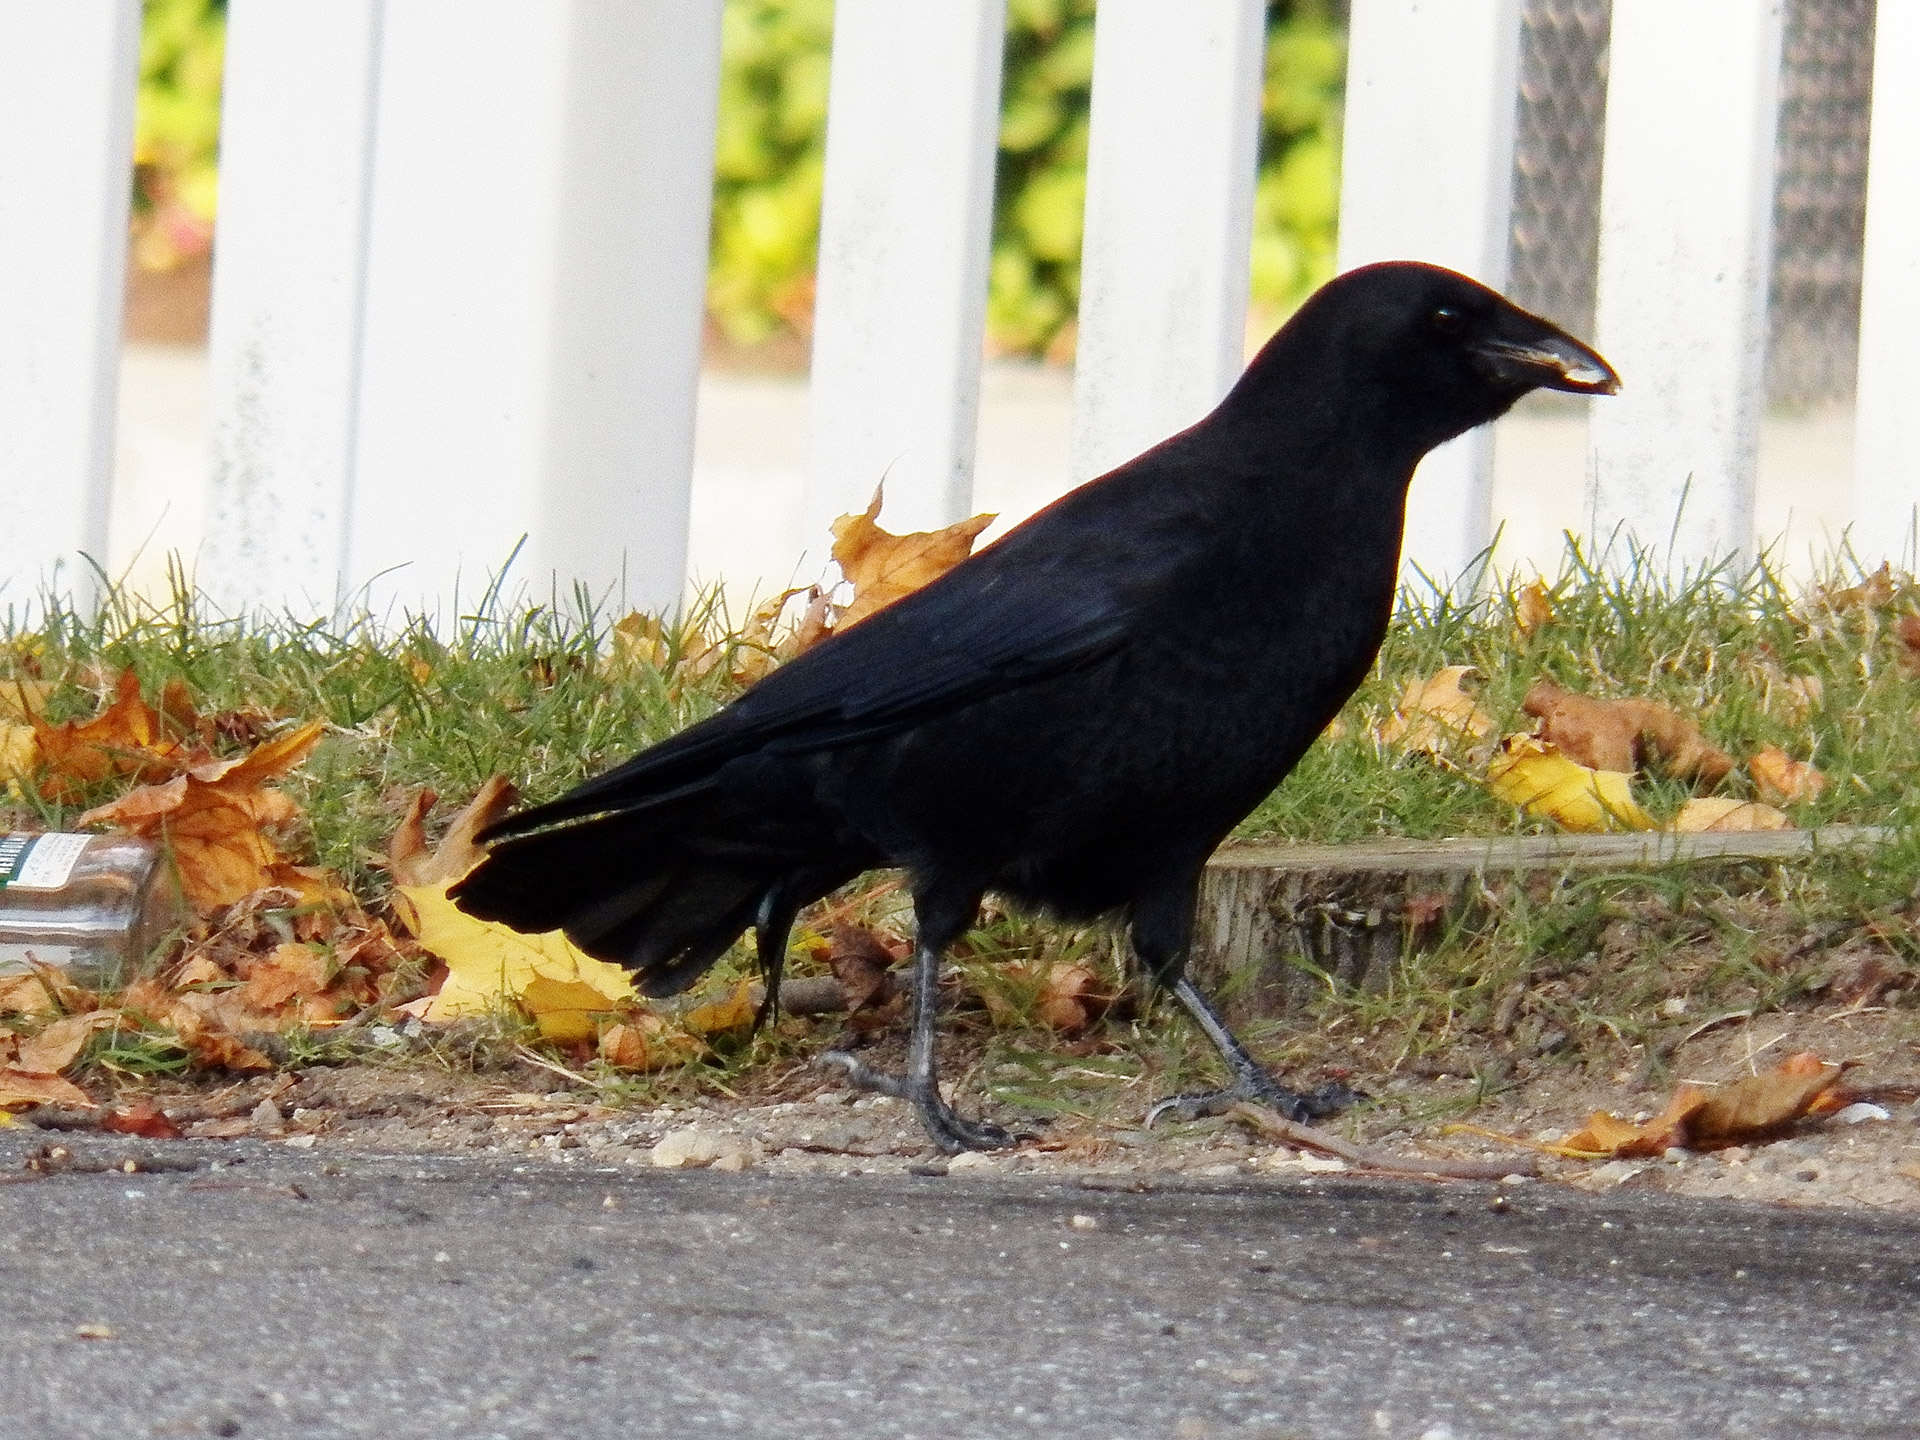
[1551, 360]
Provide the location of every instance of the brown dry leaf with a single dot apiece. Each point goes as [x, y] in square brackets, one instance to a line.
[863, 963]
[1436, 716]
[1721, 814]
[129, 738]
[1906, 634]
[815, 624]
[1710, 1118]
[292, 972]
[21, 701]
[60, 1044]
[1070, 997]
[142, 1118]
[26, 995]
[1625, 735]
[217, 819]
[758, 649]
[643, 1042]
[21, 1087]
[1876, 592]
[1783, 780]
[411, 863]
[883, 567]
[1532, 774]
[1532, 608]
[642, 640]
[1765, 1104]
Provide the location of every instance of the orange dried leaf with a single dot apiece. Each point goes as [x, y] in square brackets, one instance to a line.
[1532, 608]
[1625, 735]
[291, 972]
[883, 567]
[216, 819]
[1763, 1105]
[1437, 715]
[60, 1044]
[1721, 814]
[142, 1118]
[409, 860]
[26, 995]
[1783, 780]
[22, 1087]
[719, 1017]
[128, 738]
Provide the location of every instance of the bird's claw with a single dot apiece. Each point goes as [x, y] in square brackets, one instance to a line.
[948, 1130]
[1259, 1089]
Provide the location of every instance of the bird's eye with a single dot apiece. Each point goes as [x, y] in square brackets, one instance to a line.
[1446, 319]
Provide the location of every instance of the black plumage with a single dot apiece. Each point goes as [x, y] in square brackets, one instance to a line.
[1076, 716]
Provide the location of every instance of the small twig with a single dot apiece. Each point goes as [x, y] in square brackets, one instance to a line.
[1272, 1123]
[533, 1058]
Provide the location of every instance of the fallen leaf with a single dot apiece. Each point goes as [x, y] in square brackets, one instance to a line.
[1532, 607]
[1875, 592]
[1721, 813]
[1532, 774]
[142, 1118]
[883, 567]
[23, 1087]
[1437, 715]
[863, 964]
[1070, 997]
[19, 751]
[1783, 780]
[562, 987]
[60, 1044]
[732, 1013]
[411, 863]
[26, 995]
[1700, 1117]
[1625, 735]
[1907, 633]
[127, 739]
[218, 820]
[291, 972]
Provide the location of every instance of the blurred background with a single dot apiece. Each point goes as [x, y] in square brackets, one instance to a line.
[767, 188]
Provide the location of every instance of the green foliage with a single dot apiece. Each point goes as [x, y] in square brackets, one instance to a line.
[773, 107]
[772, 148]
[177, 128]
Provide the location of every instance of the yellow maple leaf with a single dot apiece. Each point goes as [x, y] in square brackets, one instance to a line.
[1532, 774]
[560, 985]
[883, 567]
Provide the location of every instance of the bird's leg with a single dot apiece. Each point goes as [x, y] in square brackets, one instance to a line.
[1250, 1079]
[920, 1085]
[772, 927]
[1162, 931]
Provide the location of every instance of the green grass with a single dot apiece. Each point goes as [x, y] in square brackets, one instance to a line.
[530, 693]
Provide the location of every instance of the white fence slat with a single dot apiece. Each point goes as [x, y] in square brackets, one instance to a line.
[289, 280]
[1686, 198]
[542, 180]
[1427, 174]
[901, 293]
[1886, 447]
[1169, 220]
[66, 152]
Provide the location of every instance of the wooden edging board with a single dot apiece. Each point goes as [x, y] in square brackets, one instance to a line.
[1635, 850]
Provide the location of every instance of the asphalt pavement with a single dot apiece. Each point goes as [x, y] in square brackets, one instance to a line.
[260, 1291]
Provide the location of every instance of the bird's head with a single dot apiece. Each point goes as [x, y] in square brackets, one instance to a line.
[1432, 352]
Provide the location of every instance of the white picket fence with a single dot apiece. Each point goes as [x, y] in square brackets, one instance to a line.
[457, 293]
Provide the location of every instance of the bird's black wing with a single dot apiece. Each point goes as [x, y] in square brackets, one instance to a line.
[1063, 591]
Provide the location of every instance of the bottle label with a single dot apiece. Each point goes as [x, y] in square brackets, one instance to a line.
[39, 862]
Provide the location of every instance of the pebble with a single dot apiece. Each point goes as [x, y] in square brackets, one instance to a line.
[696, 1149]
[969, 1160]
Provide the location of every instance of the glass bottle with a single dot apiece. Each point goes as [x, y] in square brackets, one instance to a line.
[93, 905]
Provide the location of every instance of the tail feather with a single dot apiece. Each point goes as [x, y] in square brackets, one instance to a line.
[629, 889]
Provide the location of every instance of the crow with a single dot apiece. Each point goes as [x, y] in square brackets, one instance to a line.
[1076, 716]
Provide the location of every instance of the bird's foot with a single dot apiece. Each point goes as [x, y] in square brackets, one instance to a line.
[1259, 1088]
[946, 1127]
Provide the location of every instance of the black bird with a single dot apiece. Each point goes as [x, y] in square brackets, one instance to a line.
[1074, 717]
